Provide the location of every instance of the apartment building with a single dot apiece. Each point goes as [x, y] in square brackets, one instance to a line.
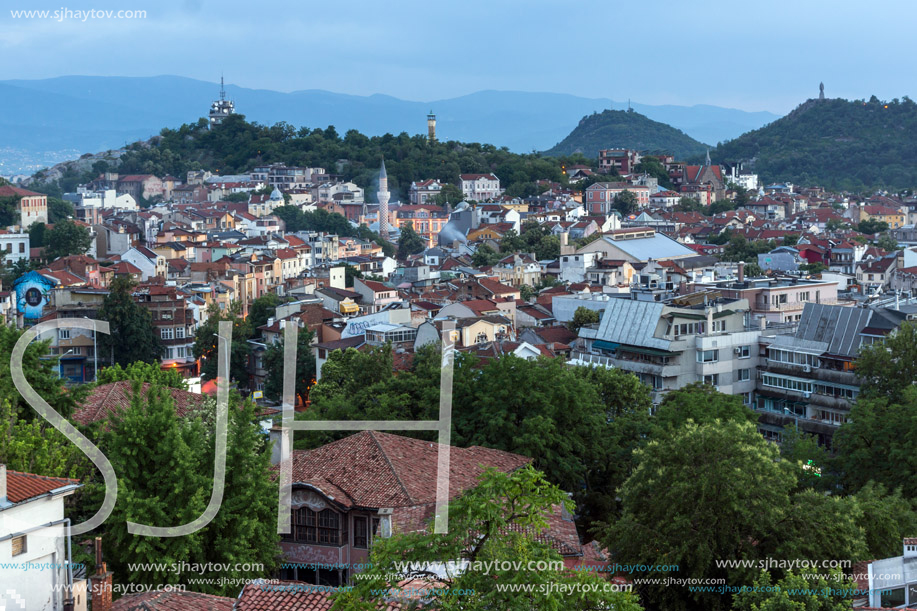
[701, 337]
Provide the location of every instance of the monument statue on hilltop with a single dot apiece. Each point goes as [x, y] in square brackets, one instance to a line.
[821, 91]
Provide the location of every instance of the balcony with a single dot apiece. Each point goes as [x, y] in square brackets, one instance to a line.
[829, 401]
[836, 376]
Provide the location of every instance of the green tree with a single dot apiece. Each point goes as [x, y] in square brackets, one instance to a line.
[527, 292]
[38, 235]
[702, 404]
[798, 591]
[886, 242]
[206, 343]
[132, 335]
[449, 194]
[351, 272]
[711, 492]
[409, 242]
[262, 308]
[875, 444]
[887, 518]
[162, 485]
[791, 239]
[305, 367]
[583, 316]
[689, 204]
[34, 446]
[67, 238]
[484, 255]
[41, 372]
[813, 268]
[548, 248]
[149, 373]
[507, 512]
[753, 270]
[833, 224]
[889, 367]
[625, 203]
[59, 210]
[871, 227]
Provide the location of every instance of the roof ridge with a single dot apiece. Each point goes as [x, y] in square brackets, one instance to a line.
[372, 435]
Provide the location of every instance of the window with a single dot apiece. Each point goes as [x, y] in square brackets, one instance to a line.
[328, 525]
[304, 525]
[21, 247]
[360, 536]
[166, 332]
[712, 380]
[746, 398]
[744, 374]
[745, 352]
[63, 333]
[19, 545]
[708, 356]
[179, 333]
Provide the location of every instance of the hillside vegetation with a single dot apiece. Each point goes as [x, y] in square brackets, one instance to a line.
[839, 144]
[236, 146]
[626, 129]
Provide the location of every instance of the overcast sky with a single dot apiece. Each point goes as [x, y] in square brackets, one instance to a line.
[753, 55]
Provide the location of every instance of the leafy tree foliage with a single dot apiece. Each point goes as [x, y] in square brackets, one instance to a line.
[889, 367]
[689, 204]
[652, 166]
[495, 521]
[627, 129]
[718, 491]
[409, 242]
[149, 373]
[34, 446]
[583, 316]
[886, 242]
[872, 227]
[484, 255]
[169, 483]
[828, 590]
[869, 137]
[702, 404]
[67, 238]
[261, 309]
[206, 343]
[305, 367]
[740, 249]
[59, 210]
[38, 234]
[40, 372]
[625, 203]
[132, 335]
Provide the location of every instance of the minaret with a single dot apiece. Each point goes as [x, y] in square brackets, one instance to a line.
[431, 127]
[382, 195]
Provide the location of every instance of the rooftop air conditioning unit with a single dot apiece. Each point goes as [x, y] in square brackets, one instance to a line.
[737, 350]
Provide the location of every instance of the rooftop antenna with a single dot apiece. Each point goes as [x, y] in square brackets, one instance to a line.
[222, 89]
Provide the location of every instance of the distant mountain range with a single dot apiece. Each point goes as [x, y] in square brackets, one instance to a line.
[835, 143]
[44, 121]
[626, 129]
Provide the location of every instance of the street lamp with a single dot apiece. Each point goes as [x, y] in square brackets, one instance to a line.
[60, 366]
[95, 355]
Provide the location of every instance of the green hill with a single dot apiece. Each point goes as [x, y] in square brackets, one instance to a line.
[625, 129]
[838, 144]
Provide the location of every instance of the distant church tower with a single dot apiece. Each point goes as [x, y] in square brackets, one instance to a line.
[707, 160]
[382, 195]
[821, 91]
[431, 127]
[222, 108]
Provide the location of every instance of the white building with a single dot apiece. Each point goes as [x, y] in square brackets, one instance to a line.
[893, 581]
[480, 187]
[14, 245]
[33, 534]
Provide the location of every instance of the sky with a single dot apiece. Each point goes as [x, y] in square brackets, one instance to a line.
[753, 55]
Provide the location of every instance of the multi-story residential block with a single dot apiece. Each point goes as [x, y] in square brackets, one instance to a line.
[176, 319]
[427, 219]
[600, 196]
[480, 187]
[14, 245]
[621, 161]
[140, 186]
[808, 379]
[279, 175]
[701, 337]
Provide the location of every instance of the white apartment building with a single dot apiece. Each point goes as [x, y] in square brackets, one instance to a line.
[480, 187]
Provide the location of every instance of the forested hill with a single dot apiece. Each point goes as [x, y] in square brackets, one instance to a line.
[236, 146]
[626, 129]
[835, 143]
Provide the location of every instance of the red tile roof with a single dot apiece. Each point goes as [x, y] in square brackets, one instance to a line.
[11, 191]
[107, 399]
[374, 469]
[24, 486]
[290, 596]
[175, 601]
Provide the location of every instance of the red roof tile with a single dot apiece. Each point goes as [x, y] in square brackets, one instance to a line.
[290, 596]
[107, 399]
[175, 601]
[24, 486]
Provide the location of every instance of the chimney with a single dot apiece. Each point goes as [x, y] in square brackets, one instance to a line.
[101, 582]
[741, 272]
[709, 320]
[2, 485]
